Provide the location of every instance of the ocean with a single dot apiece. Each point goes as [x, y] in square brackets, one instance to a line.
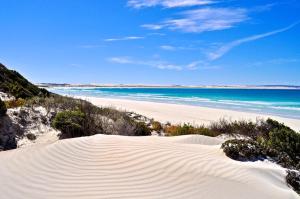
[280, 102]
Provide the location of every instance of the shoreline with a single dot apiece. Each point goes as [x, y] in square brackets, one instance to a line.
[88, 86]
[179, 113]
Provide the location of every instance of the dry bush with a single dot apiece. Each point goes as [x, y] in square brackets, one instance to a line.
[186, 129]
[15, 103]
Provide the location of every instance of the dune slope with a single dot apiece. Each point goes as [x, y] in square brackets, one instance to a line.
[106, 166]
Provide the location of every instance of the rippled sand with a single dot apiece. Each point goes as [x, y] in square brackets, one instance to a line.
[106, 166]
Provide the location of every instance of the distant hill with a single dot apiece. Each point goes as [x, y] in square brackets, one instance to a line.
[15, 84]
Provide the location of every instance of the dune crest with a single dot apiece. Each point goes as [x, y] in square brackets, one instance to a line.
[107, 166]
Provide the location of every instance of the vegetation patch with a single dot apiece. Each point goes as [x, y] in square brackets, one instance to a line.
[141, 129]
[15, 84]
[243, 150]
[156, 126]
[70, 123]
[3, 108]
[187, 129]
[15, 103]
[273, 141]
[293, 179]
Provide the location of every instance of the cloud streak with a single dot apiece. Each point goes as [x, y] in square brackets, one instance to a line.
[155, 63]
[228, 47]
[124, 38]
[168, 3]
[203, 20]
[163, 65]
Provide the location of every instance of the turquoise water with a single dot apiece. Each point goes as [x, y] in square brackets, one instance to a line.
[285, 103]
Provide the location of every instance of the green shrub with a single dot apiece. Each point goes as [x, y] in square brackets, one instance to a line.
[243, 150]
[141, 129]
[241, 127]
[285, 140]
[2, 108]
[293, 179]
[156, 126]
[70, 123]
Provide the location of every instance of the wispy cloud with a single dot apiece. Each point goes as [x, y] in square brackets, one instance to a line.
[176, 48]
[164, 65]
[152, 63]
[168, 3]
[169, 48]
[202, 20]
[124, 38]
[121, 60]
[227, 47]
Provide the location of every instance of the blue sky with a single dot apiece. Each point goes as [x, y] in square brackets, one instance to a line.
[191, 42]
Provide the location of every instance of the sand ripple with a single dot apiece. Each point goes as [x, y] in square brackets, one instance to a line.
[105, 166]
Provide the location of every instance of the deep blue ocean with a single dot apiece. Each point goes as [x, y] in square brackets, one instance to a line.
[281, 102]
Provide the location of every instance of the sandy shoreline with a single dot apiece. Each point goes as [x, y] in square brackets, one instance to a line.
[177, 113]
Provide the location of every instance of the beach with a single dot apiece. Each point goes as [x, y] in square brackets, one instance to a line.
[109, 166]
[179, 114]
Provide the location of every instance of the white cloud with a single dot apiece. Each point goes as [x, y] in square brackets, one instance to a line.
[153, 26]
[167, 3]
[227, 47]
[164, 65]
[121, 60]
[167, 47]
[124, 38]
[152, 63]
[176, 48]
[202, 20]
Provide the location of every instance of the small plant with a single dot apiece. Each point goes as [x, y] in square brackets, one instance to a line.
[31, 136]
[243, 150]
[186, 129]
[15, 103]
[3, 108]
[70, 123]
[156, 126]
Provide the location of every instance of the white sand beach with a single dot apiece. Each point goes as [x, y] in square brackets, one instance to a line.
[108, 166]
[176, 113]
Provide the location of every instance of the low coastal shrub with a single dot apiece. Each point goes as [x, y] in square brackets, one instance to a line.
[70, 123]
[243, 150]
[156, 126]
[31, 136]
[141, 129]
[186, 129]
[241, 127]
[281, 145]
[293, 179]
[2, 108]
[15, 103]
[285, 140]
[96, 119]
[251, 150]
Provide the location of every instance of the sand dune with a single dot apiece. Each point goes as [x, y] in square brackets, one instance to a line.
[105, 166]
[178, 113]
